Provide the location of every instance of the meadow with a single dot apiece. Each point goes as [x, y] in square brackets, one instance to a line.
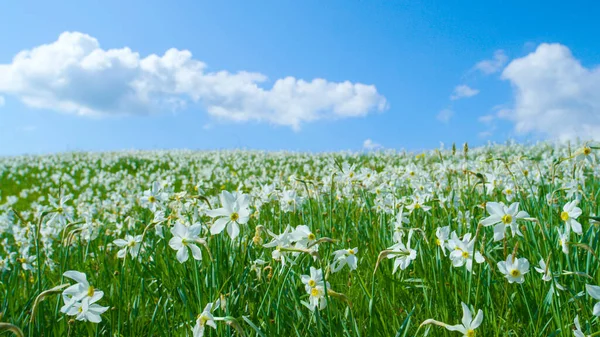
[500, 240]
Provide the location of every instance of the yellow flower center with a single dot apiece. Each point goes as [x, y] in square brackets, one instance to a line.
[470, 333]
[312, 283]
[80, 309]
[438, 242]
[465, 254]
[515, 273]
[234, 216]
[351, 251]
[311, 236]
[587, 151]
[152, 198]
[507, 219]
[314, 292]
[417, 206]
[91, 291]
[508, 191]
[564, 216]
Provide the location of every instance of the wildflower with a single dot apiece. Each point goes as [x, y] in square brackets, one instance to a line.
[570, 214]
[594, 291]
[502, 216]
[315, 279]
[186, 237]
[441, 237]
[233, 213]
[468, 326]
[578, 332]
[87, 310]
[153, 197]
[344, 257]
[462, 252]
[544, 270]
[563, 240]
[77, 292]
[131, 244]
[514, 268]
[402, 254]
[204, 319]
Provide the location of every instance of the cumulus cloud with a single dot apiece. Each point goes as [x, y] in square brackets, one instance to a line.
[368, 144]
[463, 91]
[555, 95]
[445, 115]
[75, 75]
[494, 65]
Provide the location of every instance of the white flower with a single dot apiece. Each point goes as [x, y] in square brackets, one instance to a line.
[578, 332]
[402, 254]
[570, 214]
[502, 216]
[563, 240]
[462, 252]
[234, 212]
[468, 326]
[594, 291]
[344, 257]
[317, 298]
[514, 268]
[186, 237]
[153, 197]
[87, 310]
[77, 292]
[80, 299]
[315, 279]
[204, 319]
[544, 270]
[442, 234]
[131, 244]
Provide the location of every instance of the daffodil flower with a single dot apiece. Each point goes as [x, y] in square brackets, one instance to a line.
[594, 291]
[234, 212]
[468, 326]
[502, 217]
[569, 215]
[344, 257]
[186, 237]
[514, 268]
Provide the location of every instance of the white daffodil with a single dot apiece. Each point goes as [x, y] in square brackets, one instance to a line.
[594, 291]
[402, 254]
[185, 237]
[569, 215]
[87, 310]
[563, 240]
[462, 252]
[77, 292]
[502, 216]
[544, 270]
[315, 279]
[204, 319]
[131, 244]
[468, 326]
[441, 237]
[514, 268]
[234, 212]
[344, 257]
[578, 332]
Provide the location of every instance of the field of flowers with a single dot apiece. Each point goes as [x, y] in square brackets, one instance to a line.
[501, 240]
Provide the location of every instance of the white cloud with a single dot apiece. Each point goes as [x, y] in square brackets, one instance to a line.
[555, 95]
[75, 75]
[368, 144]
[445, 115]
[487, 119]
[494, 65]
[463, 91]
[2, 101]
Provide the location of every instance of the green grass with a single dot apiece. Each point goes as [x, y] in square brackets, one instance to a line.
[158, 296]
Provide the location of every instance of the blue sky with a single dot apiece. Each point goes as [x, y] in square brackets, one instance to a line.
[414, 54]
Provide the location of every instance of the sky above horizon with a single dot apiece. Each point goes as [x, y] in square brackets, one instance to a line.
[302, 76]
